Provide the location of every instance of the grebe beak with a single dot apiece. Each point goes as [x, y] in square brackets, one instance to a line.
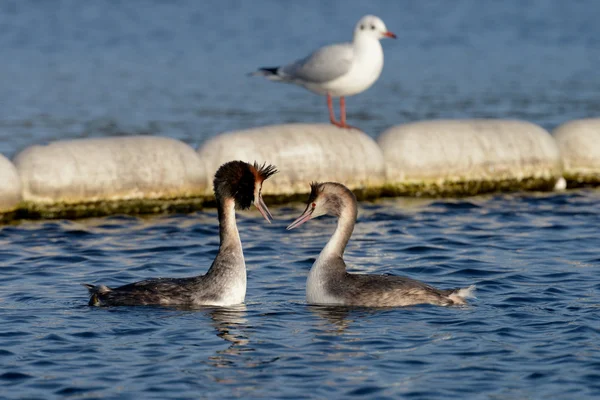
[262, 207]
[306, 215]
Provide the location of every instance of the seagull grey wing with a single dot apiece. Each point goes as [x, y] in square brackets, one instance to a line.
[324, 65]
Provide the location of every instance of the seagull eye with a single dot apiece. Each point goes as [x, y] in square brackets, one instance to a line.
[372, 27]
[362, 27]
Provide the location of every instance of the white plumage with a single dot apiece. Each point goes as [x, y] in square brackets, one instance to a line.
[339, 70]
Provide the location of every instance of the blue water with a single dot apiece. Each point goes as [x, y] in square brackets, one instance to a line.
[533, 331]
[179, 68]
[108, 68]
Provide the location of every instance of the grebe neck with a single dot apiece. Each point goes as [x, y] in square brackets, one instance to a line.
[228, 231]
[230, 246]
[343, 231]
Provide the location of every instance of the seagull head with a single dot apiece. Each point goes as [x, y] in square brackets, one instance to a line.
[372, 26]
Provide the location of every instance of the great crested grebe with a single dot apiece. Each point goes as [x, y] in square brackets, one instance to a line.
[236, 184]
[339, 70]
[328, 282]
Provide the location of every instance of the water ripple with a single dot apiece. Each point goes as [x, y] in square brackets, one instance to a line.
[94, 71]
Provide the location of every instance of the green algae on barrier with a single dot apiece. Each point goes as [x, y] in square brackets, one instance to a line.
[580, 180]
[9, 216]
[31, 210]
[468, 187]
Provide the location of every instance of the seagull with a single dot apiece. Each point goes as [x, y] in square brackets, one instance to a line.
[338, 70]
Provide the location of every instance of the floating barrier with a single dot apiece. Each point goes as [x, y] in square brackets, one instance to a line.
[465, 157]
[302, 153]
[110, 175]
[92, 177]
[579, 144]
[10, 189]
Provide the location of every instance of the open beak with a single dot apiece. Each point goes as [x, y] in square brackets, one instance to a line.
[262, 207]
[390, 35]
[306, 215]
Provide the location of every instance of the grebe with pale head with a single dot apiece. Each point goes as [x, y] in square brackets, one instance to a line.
[328, 281]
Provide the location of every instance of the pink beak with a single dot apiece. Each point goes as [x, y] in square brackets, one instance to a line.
[390, 35]
[306, 215]
[262, 207]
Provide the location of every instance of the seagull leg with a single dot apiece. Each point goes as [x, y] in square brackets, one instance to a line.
[343, 123]
[331, 112]
[343, 112]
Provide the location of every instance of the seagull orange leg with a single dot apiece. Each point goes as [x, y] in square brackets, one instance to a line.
[343, 112]
[343, 123]
[331, 112]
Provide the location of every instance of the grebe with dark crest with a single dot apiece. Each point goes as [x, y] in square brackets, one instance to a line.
[236, 184]
[330, 284]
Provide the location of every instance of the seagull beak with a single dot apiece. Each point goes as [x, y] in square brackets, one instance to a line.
[389, 34]
[262, 207]
[306, 215]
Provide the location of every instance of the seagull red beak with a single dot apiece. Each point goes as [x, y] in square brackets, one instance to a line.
[262, 207]
[390, 35]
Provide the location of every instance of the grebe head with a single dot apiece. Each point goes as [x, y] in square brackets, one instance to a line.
[372, 26]
[242, 182]
[325, 198]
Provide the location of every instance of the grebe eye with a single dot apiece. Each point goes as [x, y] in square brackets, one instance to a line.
[314, 205]
[373, 27]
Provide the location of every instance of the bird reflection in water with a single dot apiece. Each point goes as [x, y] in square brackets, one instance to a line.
[230, 324]
[342, 317]
[332, 315]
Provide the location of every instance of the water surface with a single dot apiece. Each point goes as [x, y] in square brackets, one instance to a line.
[179, 68]
[106, 68]
[533, 331]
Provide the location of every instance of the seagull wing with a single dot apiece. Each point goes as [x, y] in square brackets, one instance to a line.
[324, 65]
